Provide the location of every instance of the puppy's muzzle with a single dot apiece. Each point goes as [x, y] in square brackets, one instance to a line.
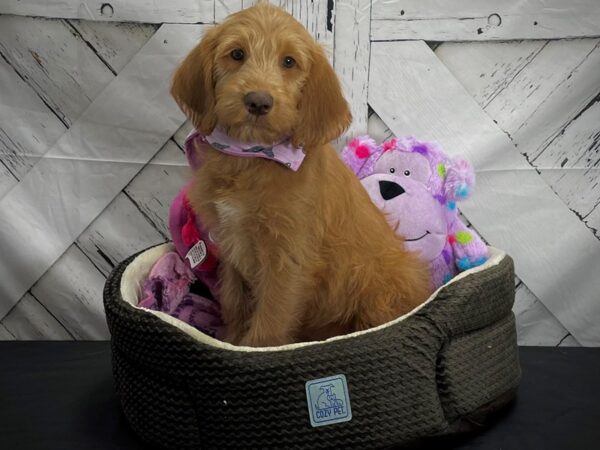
[390, 190]
[258, 103]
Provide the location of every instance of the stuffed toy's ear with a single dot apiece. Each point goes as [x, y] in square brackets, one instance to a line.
[357, 152]
[459, 180]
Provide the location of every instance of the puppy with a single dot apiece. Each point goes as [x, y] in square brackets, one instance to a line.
[304, 254]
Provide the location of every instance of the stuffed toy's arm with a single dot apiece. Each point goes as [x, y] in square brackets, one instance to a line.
[467, 246]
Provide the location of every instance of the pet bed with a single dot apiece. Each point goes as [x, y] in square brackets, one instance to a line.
[447, 364]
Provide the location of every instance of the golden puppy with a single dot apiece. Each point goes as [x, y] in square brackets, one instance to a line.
[304, 255]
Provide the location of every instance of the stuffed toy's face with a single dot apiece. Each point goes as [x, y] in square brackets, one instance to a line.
[398, 186]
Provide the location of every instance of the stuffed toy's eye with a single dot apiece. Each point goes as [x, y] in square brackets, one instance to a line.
[289, 62]
[392, 170]
[237, 54]
[407, 173]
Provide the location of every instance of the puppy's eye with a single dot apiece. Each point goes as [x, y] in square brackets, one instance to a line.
[407, 173]
[237, 54]
[392, 170]
[289, 62]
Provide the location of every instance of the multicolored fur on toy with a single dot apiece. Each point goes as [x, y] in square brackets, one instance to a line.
[417, 186]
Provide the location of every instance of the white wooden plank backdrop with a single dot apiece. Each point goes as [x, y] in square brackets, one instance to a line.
[150, 11]
[437, 20]
[91, 162]
[535, 97]
[353, 49]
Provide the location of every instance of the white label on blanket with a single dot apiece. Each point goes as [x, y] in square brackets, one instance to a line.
[197, 254]
[328, 400]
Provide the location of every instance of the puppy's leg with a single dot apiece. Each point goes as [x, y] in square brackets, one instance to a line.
[280, 296]
[374, 316]
[382, 307]
[236, 303]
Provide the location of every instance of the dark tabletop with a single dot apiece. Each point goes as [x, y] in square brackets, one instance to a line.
[60, 395]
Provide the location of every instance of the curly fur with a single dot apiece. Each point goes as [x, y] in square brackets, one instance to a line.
[460, 180]
[294, 264]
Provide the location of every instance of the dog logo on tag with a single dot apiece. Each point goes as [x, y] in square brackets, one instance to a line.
[328, 400]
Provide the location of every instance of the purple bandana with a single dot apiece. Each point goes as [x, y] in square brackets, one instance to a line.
[284, 153]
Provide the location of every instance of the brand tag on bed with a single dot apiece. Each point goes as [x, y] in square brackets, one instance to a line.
[328, 400]
[197, 254]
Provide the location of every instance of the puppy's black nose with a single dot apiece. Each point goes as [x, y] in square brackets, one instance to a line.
[258, 103]
[389, 189]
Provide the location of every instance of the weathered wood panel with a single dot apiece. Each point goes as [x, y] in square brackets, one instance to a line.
[486, 68]
[29, 320]
[7, 180]
[72, 291]
[119, 232]
[37, 103]
[55, 62]
[114, 43]
[484, 20]
[155, 187]
[546, 99]
[426, 100]
[535, 324]
[377, 129]
[351, 58]
[6, 335]
[545, 95]
[106, 147]
[568, 341]
[593, 220]
[149, 11]
[27, 127]
[114, 49]
[571, 162]
[182, 133]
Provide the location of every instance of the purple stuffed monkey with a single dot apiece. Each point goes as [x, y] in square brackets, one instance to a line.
[417, 186]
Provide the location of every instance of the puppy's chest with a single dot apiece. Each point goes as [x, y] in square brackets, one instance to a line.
[230, 221]
[233, 233]
[228, 213]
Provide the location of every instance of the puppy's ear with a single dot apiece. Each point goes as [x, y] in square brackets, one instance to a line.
[193, 84]
[324, 113]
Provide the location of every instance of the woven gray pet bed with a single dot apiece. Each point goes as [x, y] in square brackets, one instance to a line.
[445, 365]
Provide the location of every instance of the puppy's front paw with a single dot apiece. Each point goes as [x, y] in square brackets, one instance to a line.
[263, 340]
[234, 333]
